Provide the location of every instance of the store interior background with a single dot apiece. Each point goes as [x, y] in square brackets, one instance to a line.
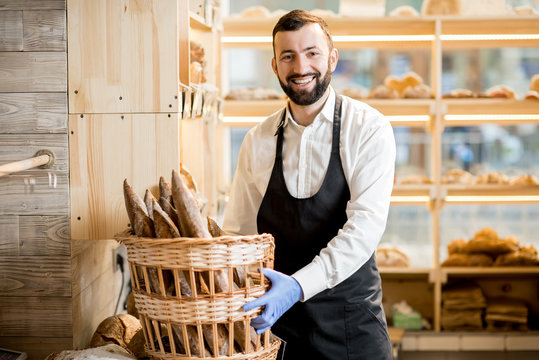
[513, 150]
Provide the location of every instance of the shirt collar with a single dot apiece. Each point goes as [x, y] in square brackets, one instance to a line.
[327, 112]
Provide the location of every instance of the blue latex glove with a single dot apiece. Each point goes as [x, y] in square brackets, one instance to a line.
[285, 291]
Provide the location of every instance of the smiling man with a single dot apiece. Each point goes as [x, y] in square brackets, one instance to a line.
[318, 176]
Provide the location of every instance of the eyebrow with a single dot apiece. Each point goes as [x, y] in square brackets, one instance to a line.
[303, 50]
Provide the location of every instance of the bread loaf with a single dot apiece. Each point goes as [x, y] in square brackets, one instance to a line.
[524, 180]
[457, 246]
[459, 94]
[468, 260]
[387, 255]
[457, 176]
[383, 92]
[165, 190]
[501, 92]
[214, 228]
[415, 179]
[148, 199]
[404, 10]
[170, 211]
[123, 330]
[441, 7]
[164, 226]
[420, 91]
[495, 178]
[531, 95]
[486, 241]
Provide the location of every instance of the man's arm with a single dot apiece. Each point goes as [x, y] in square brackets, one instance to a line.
[370, 178]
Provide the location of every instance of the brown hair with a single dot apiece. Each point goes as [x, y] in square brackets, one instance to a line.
[295, 20]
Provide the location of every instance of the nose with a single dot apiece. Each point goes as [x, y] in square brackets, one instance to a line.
[301, 64]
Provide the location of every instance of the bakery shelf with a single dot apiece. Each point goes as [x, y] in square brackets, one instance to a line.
[400, 112]
[474, 271]
[469, 112]
[478, 194]
[489, 32]
[470, 341]
[404, 273]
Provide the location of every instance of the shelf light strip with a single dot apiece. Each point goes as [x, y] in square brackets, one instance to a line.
[476, 37]
[491, 117]
[391, 118]
[410, 199]
[390, 38]
[336, 38]
[407, 118]
[491, 198]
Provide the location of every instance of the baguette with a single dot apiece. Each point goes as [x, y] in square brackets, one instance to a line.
[222, 338]
[189, 217]
[148, 198]
[164, 226]
[141, 223]
[170, 211]
[214, 228]
[165, 189]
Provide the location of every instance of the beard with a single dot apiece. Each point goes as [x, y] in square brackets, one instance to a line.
[305, 97]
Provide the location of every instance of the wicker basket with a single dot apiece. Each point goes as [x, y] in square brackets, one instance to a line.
[189, 295]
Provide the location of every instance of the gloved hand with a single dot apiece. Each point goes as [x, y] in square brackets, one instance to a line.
[285, 291]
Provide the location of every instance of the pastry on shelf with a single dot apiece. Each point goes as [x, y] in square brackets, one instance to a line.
[459, 94]
[420, 91]
[415, 180]
[404, 10]
[523, 10]
[524, 256]
[506, 314]
[501, 92]
[253, 94]
[457, 246]
[354, 93]
[496, 178]
[534, 83]
[468, 260]
[383, 92]
[487, 241]
[391, 256]
[524, 180]
[457, 176]
[256, 12]
[441, 7]
[531, 95]
[410, 79]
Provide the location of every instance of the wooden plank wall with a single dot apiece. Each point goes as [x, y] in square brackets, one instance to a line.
[35, 249]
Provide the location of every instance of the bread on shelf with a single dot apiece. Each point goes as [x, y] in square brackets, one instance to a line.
[531, 95]
[457, 246]
[468, 260]
[441, 7]
[459, 94]
[420, 91]
[534, 83]
[487, 241]
[501, 92]
[383, 92]
[410, 79]
[496, 178]
[404, 10]
[415, 180]
[524, 180]
[391, 256]
[457, 176]
[354, 93]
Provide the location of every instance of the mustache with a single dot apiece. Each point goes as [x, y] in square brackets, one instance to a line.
[296, 75]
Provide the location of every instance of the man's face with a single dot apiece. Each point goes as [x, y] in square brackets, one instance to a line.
[303, 63]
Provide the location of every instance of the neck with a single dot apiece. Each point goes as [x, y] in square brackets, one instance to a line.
[304, 114]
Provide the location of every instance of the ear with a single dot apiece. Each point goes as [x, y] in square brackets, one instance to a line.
[333, 59]
[274, 65]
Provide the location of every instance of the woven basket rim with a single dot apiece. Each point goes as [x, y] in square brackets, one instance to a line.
[126, 237]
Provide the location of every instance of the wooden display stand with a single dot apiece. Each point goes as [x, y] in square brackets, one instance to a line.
[422, 288]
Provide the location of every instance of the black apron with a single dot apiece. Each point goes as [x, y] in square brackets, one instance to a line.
[346, 321]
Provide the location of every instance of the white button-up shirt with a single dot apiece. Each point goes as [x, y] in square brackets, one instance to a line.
[367, 150]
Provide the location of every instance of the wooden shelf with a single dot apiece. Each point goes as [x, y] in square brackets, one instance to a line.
[484, 194]
[491, 271]
[404, 273]
[497, 111]
[370, 32]
[197, 22]
[404, 111]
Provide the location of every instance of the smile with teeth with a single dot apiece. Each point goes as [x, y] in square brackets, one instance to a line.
[302, 81]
